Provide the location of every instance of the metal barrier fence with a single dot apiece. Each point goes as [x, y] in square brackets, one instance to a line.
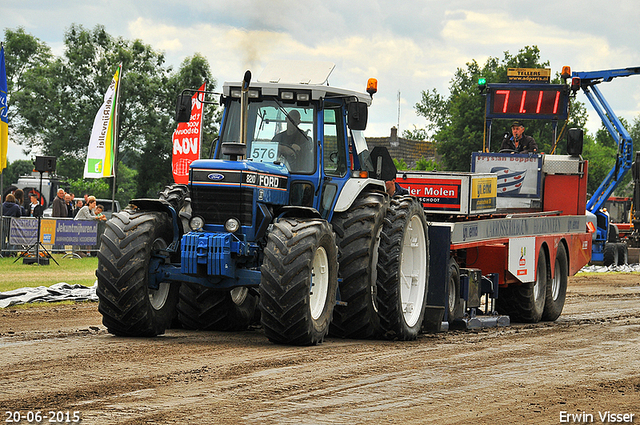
[8, 250]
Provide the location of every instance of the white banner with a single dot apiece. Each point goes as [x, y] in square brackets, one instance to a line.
[100, 155]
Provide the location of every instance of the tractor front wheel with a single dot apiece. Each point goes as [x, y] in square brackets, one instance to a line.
[299, 281]
[133, 299]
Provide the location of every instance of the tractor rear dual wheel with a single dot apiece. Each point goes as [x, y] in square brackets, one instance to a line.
[403, 269]
[178, 196]
[358, 237]
[208, 309]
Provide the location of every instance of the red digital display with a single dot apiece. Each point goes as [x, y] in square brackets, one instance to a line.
[528, 102]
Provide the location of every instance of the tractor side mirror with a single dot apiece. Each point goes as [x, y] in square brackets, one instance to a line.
[575, 138]
[358, 114]
[183, 108]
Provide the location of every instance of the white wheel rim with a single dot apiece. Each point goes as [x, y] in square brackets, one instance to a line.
[238, 295]
[319, 283]
[555, 283]
[452, 295]
[413, 271]
[158, 297]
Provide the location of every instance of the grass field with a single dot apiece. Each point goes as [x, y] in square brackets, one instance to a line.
[71, 270]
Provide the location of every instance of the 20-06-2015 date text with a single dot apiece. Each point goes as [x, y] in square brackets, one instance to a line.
[39, 417]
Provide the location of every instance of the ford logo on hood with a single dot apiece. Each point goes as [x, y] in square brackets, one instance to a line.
[215, 176]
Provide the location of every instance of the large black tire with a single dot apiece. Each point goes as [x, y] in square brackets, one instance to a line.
[133, 245]
[8, 190]
[613, 235]
[299, 281]
[175, 194]
[557, 287]
[403, 269]
[525, 302]
[178, 196]
[453, 290]
[623, 253]
[358, 237]
[610, 254]
[214, 310]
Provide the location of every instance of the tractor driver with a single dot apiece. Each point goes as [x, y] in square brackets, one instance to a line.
[294, 144]
[519, 142]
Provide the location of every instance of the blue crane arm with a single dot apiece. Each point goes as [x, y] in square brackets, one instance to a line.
[595, 77]
[624, 156]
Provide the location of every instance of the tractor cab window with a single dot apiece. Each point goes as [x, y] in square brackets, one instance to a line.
[275, 132]
[334, 151]
[362, 150]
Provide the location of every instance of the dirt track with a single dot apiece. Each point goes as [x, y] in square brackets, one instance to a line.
[62, 359]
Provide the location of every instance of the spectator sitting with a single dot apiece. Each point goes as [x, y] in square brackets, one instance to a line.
[10, 208]
[86, 212]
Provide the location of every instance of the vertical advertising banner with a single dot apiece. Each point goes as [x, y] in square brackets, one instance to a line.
[102, 143]
[4, 109]
[187, 139]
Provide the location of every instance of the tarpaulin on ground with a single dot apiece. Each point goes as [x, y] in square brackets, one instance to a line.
[59, 292]
[626, 268]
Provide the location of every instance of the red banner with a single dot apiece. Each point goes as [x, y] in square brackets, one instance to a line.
[187, 139]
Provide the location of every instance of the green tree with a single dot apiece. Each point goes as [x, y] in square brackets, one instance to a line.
[458, 120]
[96, 187]
[59, 97]
[602, 158]
[100, 188]
[23, 52]
[426, 165]
[415, 134]
[400, 164]
[15, 169]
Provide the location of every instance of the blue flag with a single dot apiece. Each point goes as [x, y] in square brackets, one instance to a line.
[4, 107]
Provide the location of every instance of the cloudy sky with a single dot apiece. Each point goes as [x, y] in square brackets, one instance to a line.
[408, 45]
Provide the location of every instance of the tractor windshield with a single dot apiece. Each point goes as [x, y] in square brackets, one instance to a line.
[275, 132]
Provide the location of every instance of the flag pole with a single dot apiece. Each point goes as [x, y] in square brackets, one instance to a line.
[116, 130]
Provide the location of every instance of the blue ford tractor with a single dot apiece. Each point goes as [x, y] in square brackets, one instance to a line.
[288, 225]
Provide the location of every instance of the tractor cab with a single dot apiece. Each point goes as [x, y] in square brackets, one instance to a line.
[297, 144]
